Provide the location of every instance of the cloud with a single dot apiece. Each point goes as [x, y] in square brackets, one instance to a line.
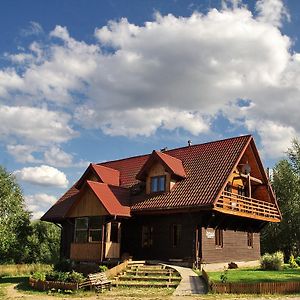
[22, 153]
[172, 72]
[34, 28]
[38, 204]
[272, 11]
[33, 124]
[43, 175]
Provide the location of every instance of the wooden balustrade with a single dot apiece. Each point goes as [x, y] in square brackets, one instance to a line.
[248, 207]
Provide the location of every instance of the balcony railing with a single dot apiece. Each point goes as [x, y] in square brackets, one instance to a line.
[248, 207]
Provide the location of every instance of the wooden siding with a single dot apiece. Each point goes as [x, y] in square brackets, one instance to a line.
[234, 248]
[66, 238]
[86, 251]
[87, 205]
[162, 247]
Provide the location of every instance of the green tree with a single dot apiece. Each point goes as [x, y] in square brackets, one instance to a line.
[43, 243]
[285, 235]
[14, 220]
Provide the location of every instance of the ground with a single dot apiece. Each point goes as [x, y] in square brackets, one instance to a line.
[12, 292]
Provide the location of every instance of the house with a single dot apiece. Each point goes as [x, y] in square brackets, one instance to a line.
[205, 202]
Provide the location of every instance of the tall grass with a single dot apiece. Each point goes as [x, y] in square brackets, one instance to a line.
[23, 269]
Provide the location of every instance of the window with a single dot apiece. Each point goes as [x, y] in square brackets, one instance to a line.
[228, 188]
[250, 239]
[147, 236]
[176, 234]
[158, 183]
[114, 232]
[241, 190]
[219, 238]
[88, 230]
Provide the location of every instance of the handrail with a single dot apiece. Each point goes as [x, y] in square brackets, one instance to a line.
[241, 204]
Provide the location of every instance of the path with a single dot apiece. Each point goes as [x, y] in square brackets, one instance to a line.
[190, 283]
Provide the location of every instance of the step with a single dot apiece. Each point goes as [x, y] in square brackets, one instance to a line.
[144, 284]
[147, 267]
[146, 278]
[148, 272]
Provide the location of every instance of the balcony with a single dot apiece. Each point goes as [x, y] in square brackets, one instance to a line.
[230, 203]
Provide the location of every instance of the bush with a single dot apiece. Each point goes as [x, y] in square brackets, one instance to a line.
[39, 276]
[292, 262]
[298, 261]
[75, 277]
[65, 276]
[103, 268]
[272, 261]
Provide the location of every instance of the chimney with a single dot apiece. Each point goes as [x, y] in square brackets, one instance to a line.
[164, 149]
[189, 143]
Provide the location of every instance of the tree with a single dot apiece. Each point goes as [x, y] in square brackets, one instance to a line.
[14, 219]
[43, 243]
[285, 235]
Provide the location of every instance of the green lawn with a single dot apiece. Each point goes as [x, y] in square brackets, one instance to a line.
[257, 275]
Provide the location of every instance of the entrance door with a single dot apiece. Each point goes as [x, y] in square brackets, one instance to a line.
[113, 240]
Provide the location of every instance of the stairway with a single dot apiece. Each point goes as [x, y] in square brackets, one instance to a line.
[140, 274]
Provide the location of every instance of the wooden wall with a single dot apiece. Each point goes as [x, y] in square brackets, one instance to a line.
[66, 238]
[87, 205]
[86, 251]
[235, 247]
[162, 240]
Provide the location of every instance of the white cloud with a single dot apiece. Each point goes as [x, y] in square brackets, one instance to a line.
[38, 204]
[22, 153]
[57, 157]
[34, 28]
[43, 175]
[172, 72]
[37, 125]
[272, 11]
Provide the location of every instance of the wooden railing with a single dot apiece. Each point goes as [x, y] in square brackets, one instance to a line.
[248, 207]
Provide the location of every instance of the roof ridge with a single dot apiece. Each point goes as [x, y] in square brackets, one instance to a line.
[165, 152]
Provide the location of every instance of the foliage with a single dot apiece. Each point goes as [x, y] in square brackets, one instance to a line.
[63, 265]
[272, 261]
[292, 262]
[23, 269]
[43, 243]
[103, 268]
[224, 276]
[298, 261]
[14, 220]
[64, 276]
[285, 236]
[39, 276]
[249, 275]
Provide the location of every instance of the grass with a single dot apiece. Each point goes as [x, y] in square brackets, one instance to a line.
[257, 275]
[23, 269]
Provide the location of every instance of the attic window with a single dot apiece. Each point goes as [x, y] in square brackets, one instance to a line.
[158, 184]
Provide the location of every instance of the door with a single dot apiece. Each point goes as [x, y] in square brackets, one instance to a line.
[113, 240]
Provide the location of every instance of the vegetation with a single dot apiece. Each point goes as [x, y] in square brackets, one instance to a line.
[272, 261]
[24, 269]
[285, 236]
[257, 275]
[22, 241]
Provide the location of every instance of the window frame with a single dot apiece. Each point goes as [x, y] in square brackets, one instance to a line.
[250, 240]
[219, 238]
[88, 230]
[176, 241]
[158, 184]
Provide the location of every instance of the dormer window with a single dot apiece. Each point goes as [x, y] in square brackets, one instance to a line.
[158, 184]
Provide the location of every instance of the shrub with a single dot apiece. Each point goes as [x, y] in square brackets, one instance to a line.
[75, 277]
[298, 261]
[65, 276]
[224, 276]
[272, 261]
[64, 265]
[292, 262]
[39, 276]
[103, 268]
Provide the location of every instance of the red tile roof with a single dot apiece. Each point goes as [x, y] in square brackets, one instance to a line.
[108, 199]
[174, 165]
[207, 167]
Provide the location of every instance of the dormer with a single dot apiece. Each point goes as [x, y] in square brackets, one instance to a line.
[98, 173]
[161, 172]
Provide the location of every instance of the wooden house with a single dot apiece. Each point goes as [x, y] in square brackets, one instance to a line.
[205, 202]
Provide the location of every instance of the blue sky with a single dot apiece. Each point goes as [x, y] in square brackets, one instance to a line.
[91, 81]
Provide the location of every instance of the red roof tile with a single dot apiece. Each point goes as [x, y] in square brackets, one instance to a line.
[174, 165]
[108, 199]
[207, 167]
